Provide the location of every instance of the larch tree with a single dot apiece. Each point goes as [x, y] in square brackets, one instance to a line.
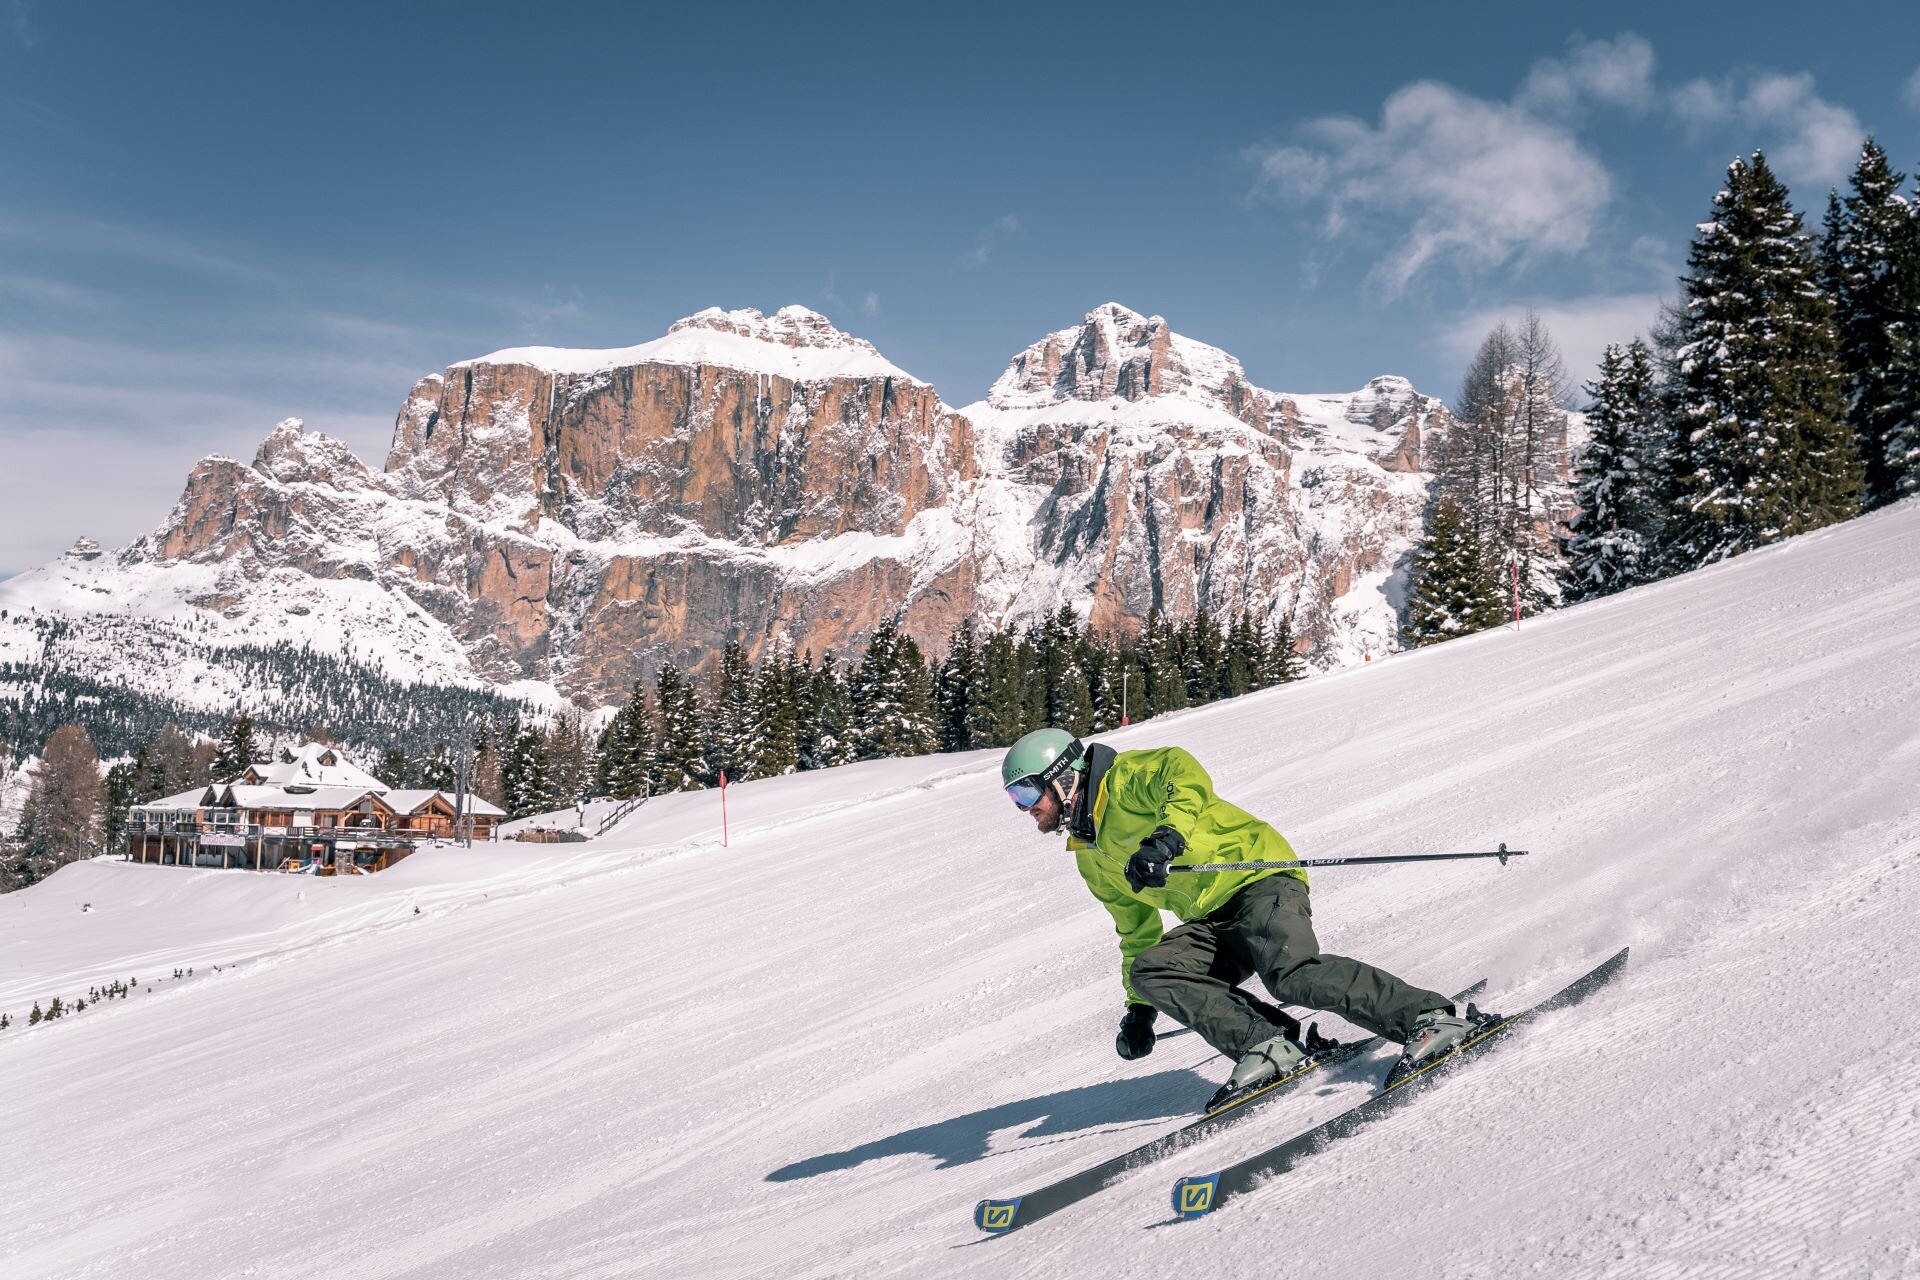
[65, 813]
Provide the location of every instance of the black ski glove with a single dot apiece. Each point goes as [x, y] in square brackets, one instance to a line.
[1136, 1032]
[1147, 868]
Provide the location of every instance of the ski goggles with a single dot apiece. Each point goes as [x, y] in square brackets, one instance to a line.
[1026, 792]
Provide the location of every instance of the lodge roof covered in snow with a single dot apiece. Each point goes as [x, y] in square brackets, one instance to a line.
[317, 778]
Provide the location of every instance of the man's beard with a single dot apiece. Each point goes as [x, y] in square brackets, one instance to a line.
[1050, 824]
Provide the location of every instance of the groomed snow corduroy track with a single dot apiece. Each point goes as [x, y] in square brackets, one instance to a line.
[811, 1052]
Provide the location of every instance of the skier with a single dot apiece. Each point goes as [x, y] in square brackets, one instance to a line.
[1129, 816]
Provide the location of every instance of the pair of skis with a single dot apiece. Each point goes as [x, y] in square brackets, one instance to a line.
[1194, 1197]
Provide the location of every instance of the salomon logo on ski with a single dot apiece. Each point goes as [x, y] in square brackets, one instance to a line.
[996, 1215]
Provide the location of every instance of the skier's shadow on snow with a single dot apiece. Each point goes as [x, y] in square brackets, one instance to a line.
[1165, 1095]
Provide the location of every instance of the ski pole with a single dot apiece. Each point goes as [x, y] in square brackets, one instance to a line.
[1502, 853]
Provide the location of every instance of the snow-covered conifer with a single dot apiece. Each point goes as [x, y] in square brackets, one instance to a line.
[393, 768]
[237, 749]
[775, 704]
[730, 712]
[525, 775]
[1761, 449]
[958, 686]
[1452, 594]
[1616, 484]
[1005, 702]
[1068, 702]
[1160, 659]
[681, 762]
[889, 698]
[1870, 265]
[626, 749]
[825, 736]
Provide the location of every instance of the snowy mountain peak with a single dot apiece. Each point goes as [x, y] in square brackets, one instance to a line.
[1117, 353]
[790, 326]
[1384, 402]
[793, 343]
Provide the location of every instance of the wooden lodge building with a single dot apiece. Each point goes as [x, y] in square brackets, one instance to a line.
[316, 812]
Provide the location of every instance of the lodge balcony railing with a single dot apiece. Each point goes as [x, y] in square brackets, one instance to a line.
[250, 830]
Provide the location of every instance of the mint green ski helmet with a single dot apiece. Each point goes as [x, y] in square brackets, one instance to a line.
[1036, 761]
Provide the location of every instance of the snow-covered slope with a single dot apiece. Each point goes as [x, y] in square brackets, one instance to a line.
[792, 343]
[810, 1052]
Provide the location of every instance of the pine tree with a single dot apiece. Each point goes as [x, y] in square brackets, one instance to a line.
[237, 749]
[1240, 671]
[826, 737]
[959, 687]
[1451, 594]
[437, 770]
[394, 768]
[730, 707]
[1202, 654]
[1617, 484]
[1761, 450]
[1068, 704]
[1160, 661]
[119, 799]
[525, 777]
[1280, 664]
[1004, 707]
[890, 702]
[626, 749]
[1871, 270]
[776, 706]
[681, 762]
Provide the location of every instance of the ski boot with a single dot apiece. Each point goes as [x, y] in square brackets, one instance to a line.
[1266, 1062]
[1436, 1034]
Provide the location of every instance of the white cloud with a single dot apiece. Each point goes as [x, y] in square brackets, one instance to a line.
[1616, 73]
[1807, 138]
[990, 238]
[1703, 105]
[1910, 92]
[1583, 327]
[870, 305]
[1289, 171]
[1470, 182]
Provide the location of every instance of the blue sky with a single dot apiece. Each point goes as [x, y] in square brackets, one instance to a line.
[213, 216]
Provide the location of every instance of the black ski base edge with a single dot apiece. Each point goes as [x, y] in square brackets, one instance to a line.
[1001, 1216]
[1196, 1197]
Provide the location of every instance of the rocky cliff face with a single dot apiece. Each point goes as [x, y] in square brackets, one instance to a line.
[578, 517]
[1167, 480]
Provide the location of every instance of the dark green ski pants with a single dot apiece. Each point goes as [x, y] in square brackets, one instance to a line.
[1194, 972]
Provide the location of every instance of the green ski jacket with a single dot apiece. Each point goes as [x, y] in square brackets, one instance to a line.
[1138, 792]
